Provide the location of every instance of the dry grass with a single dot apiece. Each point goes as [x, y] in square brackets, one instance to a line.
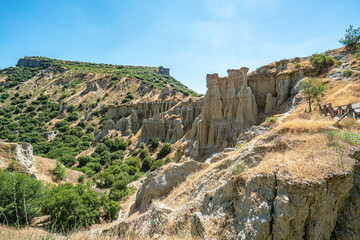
[310, 158]
[342, 93]
[10, 233]
[305, 125]
[44, 168]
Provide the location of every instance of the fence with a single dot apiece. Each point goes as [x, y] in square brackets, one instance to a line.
[350, 110]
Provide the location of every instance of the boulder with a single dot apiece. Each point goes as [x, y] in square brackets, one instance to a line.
[160, 182]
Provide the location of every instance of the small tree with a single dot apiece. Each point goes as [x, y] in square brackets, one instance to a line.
[313, 90]
[59, 172]
[352, 36]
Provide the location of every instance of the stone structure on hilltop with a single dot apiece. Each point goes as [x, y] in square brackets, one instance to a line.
[229, 107]
[164, 71]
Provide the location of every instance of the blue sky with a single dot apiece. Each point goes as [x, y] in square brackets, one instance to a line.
[192, 37]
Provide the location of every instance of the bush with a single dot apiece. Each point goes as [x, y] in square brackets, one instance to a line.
[133, 161]
[72, 117]
[72, 207]
[100, 147]
[147, 163]
[117, 155]
[322, 61]
[68, 160]
[157, 164]
[271, 120]
[20, 195]
[165, 150]
[155, 142]
[352, 36]
[119, 190]
[59, 172]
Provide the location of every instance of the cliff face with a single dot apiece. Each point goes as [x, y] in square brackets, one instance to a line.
[168, 120]
[272, 83]
[229, 106]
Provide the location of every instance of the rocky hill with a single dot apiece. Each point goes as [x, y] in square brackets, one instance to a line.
[243, 162]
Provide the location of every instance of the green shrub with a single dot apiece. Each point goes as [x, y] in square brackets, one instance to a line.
[59, 172]
[133, 161]
[100, 147]
[147, 163]
[157, 164]
[81, 179]
[271, 120]
[357, 54]
[118, 190]
[164, 150]
[20, 195]
[297, 65]
[72, 117]
[117, 155]
[72, 207]
[322, 61]
[155, 142]
[68, 160]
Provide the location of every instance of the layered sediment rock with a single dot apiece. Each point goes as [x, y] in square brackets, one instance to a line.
[168, 120]
[278, 80]
[229, 107]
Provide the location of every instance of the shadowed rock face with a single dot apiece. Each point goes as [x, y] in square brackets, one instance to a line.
[168, 120]
[229, 106]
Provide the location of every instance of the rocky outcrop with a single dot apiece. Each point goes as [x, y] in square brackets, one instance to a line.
[229, 107]
[161, 182]
[164, 93]
[21, 153]
[348, 223]
[168, 120]
[277, 80]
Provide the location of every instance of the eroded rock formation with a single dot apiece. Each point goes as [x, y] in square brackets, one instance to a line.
[229, 106]
[168, 120]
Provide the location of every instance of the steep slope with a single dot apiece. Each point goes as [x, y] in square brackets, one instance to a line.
[294, 177]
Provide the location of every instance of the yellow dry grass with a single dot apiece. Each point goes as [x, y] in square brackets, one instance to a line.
[44, 168]
[309, 158]
[342, 93]
[306, 125]
[10, 233]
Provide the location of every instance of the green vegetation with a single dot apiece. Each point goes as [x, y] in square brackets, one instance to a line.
[271, 120]
[17, 75]
[297, 65]
[322, 61]
[352, 36]
[347, 73]
[148, 75]
[335, 137]
[313, 91]
[31, 122]
[59, 172]
[128, 98]
[357, 54]
[164, 150]
[155, 142]
[22, 198]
